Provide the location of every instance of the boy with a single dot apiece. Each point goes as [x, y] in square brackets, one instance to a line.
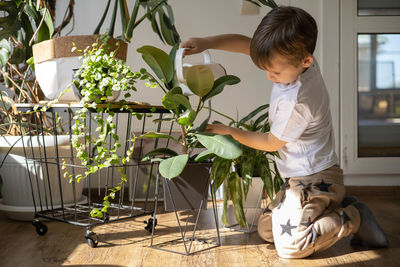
[310, 213]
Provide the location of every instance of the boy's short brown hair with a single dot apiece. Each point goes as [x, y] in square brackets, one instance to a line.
[287, 31]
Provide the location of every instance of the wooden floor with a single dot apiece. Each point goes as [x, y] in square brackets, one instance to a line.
[126, 243]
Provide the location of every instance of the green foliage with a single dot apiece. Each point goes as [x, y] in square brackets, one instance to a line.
[200, 80]
[100, 75]
[159, 62]
[158, 12]
[223, 146]
[23, 23]
[239, 178]
[268, 3]
[172, 167]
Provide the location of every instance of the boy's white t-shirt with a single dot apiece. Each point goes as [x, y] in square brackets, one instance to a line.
[300, 115]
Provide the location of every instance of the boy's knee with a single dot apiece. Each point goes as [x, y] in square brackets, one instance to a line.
[265, 227]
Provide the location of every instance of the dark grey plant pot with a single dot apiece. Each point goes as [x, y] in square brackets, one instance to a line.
[188, 189]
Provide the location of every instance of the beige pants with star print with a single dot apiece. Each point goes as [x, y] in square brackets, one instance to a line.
[307, 215]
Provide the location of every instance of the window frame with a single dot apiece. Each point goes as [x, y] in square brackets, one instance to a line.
[350, 26]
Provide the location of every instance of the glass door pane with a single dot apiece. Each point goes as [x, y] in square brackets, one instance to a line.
[378, 95]
[378, 7]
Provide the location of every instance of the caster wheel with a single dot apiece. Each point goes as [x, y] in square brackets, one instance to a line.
[91, 242]
[91, 239]
[41, 228]
[106, 217]
[149, 226]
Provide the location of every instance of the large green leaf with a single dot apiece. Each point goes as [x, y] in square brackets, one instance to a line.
[164, 151]
[260, 119]
[278, 182]
[269, 3]
[254, 113]
[44, 32]
[235, 190]
[246, 183]
[224, 217]
[199, 79]
[153, 134]
[5, 51]
[187, 118]
[175, 90]
[9, 22]
[18, 55]
[206, 154]
[155, 27]
[173, 101]
[49, 22]
[223, 146]
[219, 85]
[158, 61]
[221, 170]
[166, 27]
[247, 162]
[262, 165]
[172, 167]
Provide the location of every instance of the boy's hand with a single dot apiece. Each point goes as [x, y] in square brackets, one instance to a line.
[218, 129]
[194, 46]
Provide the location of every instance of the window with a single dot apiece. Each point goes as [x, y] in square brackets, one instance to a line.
[369, 87]
[378, 95]
[378, 7]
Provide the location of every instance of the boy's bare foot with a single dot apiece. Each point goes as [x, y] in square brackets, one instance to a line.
[370, 232]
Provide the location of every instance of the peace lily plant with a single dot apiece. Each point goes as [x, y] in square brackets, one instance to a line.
[238, 173]
[201, 82]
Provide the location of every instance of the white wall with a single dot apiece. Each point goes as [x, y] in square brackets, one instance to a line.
[195, 18]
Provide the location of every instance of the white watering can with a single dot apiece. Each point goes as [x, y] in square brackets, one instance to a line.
[217, 69]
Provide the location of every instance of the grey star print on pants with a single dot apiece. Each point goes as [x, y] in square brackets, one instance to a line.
[307, 216]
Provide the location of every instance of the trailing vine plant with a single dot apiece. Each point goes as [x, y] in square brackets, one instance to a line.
[100, 77]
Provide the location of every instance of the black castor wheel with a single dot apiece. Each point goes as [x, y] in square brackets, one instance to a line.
[91, 239]
[106, 217]
[149, 226]
[41, 228]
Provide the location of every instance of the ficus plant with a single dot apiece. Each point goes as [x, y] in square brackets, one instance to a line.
[238, 173]
[201, 82]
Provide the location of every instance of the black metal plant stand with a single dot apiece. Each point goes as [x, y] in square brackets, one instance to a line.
[46, 176]
[187, 241]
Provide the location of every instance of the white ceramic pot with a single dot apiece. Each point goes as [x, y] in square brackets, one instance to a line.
[252, 205]
[36, 182]
[55, 61]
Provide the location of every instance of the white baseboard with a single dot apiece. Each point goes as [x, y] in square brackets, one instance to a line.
[372, 180]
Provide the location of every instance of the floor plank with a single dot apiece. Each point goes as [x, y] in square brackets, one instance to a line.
[127, 243]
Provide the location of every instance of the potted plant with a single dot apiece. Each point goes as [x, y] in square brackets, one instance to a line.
[58, 51]
[97, 82]
[237, 175]
[200, 80]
